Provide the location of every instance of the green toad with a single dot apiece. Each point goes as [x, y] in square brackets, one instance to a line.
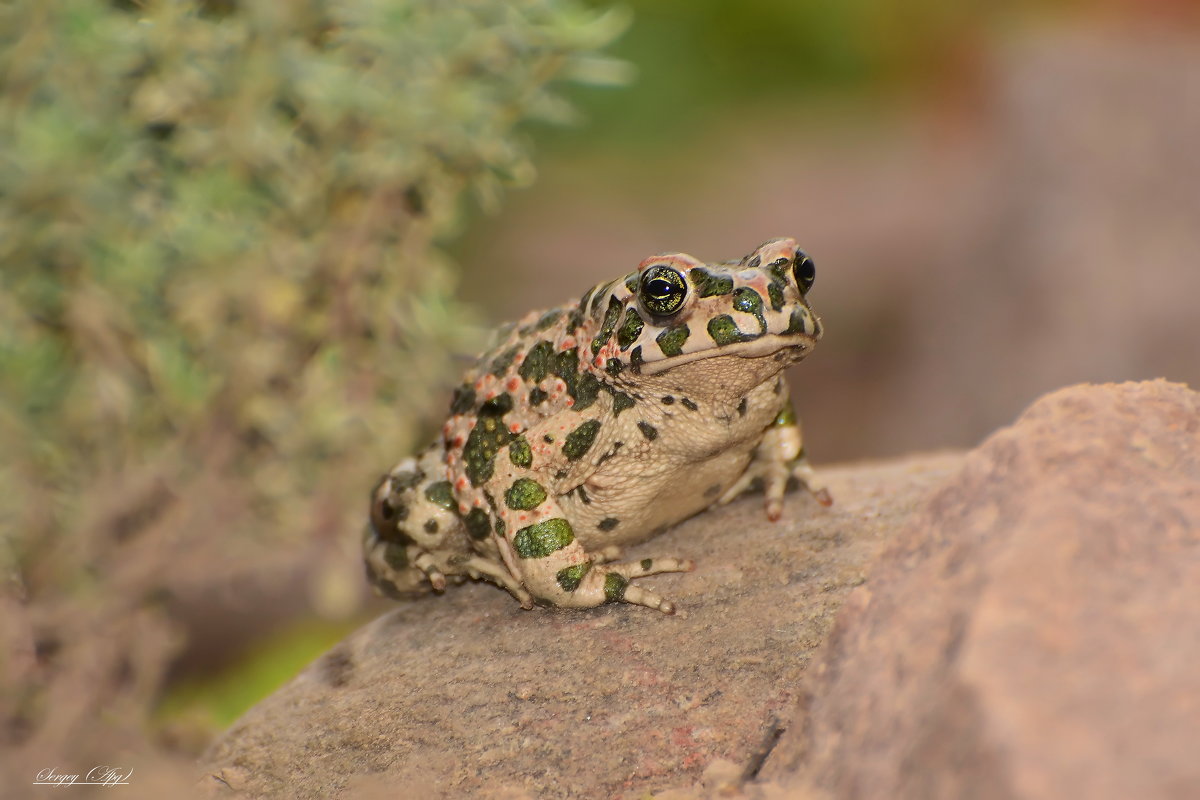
[602, 423]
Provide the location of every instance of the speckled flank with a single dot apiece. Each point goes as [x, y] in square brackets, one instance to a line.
[589, 418]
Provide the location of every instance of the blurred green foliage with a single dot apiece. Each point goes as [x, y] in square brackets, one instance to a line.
[705, 61]
[221, 215]
[219, 254]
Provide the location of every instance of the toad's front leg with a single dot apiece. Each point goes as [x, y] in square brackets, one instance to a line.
[538, 544]
[778, 457]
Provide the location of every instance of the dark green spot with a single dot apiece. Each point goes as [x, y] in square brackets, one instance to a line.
[671, 340]
[648, 430]
[569, 578]
[631, 282]
[548, 439]
[621, 401]
[707, 284]
[647, 563]
[668, 400]
[749, 301]
[500, 527]
[543, 538]
[611, 315]
[405, 480]
[584, 391]
[524, 495]
[724, 330]
[796, 321]
[393, 510]
[486, 439]
[630, 329]
[395, 555]
[608, 523]
[689, 405]
[601, 291]
[539, 361]
[547, 320]
[440, 494]
[498, 406]
[614, 366]
[476, 524]
[614, 587]
[579, 441]
[582, 387]
[775, 294]
[519, 452]
[537, 397]
[464, 399]
[503, 361]
[431, 526]
[635, 360]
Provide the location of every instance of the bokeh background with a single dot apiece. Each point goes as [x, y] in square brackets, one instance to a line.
[245, 247]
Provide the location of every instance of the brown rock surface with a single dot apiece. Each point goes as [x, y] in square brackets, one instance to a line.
[467, 695]
[1034, 631]
[1030, 628]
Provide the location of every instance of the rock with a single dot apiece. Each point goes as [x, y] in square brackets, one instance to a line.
[1030, 629]
[467, 695]
[1034, 630]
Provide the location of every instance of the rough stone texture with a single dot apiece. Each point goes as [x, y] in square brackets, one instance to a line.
[1034, 631]
[1030, 628]
[467, 695]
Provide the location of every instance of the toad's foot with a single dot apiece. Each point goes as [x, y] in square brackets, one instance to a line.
[779, 457]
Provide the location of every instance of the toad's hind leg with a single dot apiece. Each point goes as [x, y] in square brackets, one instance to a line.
[538, 544]
[411, 517]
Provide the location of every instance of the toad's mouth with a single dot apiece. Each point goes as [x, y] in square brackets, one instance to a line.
[789, 347]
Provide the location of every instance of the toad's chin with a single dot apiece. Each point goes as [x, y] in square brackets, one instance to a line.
[785, 348]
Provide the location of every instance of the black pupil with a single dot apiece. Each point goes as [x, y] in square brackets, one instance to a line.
[659, 287]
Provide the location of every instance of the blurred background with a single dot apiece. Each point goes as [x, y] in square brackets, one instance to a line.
[246, 246]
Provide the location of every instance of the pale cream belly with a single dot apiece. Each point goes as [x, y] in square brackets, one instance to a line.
[624, 509]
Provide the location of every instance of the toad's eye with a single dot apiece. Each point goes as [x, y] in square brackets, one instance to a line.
[804, 270]
[662, 290]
